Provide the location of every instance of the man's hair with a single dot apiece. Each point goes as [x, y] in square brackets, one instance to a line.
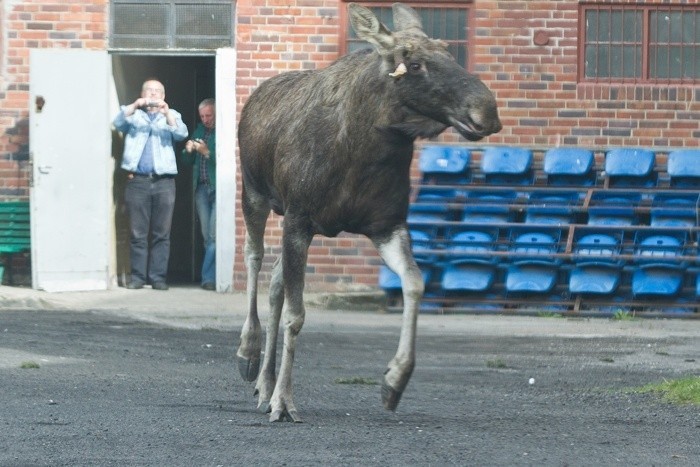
[207, 102]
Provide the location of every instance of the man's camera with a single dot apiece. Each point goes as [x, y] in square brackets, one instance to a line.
[153, 104]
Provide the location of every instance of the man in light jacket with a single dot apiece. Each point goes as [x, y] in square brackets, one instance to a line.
[150, 127]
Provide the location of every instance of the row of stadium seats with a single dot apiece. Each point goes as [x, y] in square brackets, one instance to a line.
[505, 224]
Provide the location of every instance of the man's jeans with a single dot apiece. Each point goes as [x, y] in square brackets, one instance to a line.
[205, 201]
[150, 203]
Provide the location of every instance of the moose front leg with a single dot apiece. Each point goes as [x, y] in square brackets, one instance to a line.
[396, 253]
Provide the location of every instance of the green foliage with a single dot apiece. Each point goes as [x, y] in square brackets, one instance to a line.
[497, 363]
[623, 315]
[678, 391]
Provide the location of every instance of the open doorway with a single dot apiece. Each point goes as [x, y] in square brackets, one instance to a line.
[187, 80]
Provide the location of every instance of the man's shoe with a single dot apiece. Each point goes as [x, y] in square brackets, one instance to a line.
[133, 285]
[208, 286]
[160, 286]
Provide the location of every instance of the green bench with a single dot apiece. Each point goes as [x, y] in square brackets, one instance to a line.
[14, 231]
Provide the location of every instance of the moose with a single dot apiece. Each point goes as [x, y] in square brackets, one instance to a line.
[331, 150]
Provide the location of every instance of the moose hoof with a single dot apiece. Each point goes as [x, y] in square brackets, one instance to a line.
[265, 407]
[390, 397]
[248, 367]
[285, 416]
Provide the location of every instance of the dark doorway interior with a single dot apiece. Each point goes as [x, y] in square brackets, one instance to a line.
[187, 81]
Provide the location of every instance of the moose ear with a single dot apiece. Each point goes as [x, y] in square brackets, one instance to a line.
[405, 18]
[370, 29]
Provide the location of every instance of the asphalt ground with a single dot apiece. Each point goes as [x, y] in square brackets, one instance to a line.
[149, 378]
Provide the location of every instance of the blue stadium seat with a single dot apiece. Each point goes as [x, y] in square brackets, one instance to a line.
[556, 208]
[673, 209]
[446, 166]
[683, 168]
[569, 167]
[613, 208]
[489, 207]
[657, 272]
[423, 245]
[563, 167]
[507, 166]
[595, 269]
[428, 218]
[532, 267]
[469, 267]
[630, 167]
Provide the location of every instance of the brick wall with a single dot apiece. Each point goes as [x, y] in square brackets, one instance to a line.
[541, 102]
[24, 25]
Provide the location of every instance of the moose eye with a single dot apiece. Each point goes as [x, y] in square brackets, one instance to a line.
[415, 66]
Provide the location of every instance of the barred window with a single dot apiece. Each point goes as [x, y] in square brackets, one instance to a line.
[640, 43]
[171, 24]
[444, 20]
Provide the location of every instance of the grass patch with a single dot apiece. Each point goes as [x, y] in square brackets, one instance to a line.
[497, 363]
[677, 391]
[549, 314]
[623, 315]
[29, 365]
[607, 360]
[356, 380]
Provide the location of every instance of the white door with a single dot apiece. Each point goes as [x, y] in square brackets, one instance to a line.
[70, 143]
[225, 168]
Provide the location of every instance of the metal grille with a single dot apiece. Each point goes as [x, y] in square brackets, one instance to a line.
[173, 24]
[448, 23]
[631, 42]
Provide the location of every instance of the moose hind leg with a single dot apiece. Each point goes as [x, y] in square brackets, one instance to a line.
[297, 235]
[255, 212]
[396, 253]
[266, 379]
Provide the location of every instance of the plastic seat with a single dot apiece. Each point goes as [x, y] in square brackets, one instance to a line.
[422, 245]
[657, 273]
[675, 210]
[469, 267]
[532, 268]
[507, 166]
[595, 269]
[428, 219]
[683, 168]
[489, 207]
[613, 208]
[624, 168]
[569, 167]
[555, 208]
[443, 165]
[630, 167]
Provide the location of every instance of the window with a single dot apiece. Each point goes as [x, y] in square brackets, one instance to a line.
[441, 20]
[640, 43]
[171, 24]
